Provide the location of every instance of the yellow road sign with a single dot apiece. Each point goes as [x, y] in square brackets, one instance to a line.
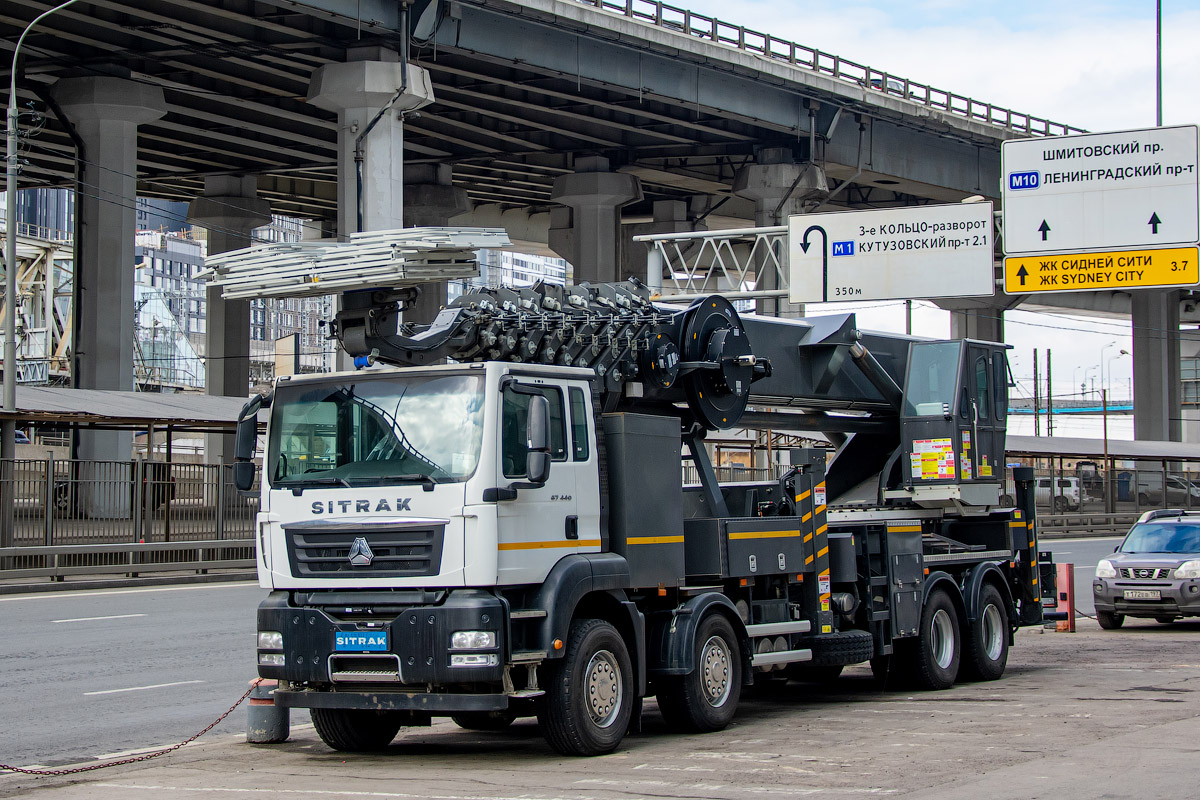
[1112, 269]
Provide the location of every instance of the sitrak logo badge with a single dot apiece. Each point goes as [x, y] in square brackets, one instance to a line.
[360, 553]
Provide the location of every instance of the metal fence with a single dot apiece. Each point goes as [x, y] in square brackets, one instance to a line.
[72, 502]
[770, 47]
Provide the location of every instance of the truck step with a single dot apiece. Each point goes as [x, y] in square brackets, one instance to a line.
[526, 693]
[780, 657]
[779, 628]
[527, 613]
[880, 616]
[527, 656]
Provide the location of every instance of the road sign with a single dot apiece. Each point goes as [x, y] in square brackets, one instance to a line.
[891, 253]
[1118, 269]
[1101, 191]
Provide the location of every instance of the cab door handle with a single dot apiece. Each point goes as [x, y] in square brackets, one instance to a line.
[572, 526]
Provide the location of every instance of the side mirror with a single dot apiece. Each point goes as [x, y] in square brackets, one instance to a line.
[537, 427]
[245, 443]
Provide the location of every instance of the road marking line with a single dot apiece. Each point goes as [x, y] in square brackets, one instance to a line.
[322, 792]
[101, 592]
[140, 688]
[96, 619]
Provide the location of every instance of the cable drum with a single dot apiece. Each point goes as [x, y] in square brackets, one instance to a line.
[713, 334]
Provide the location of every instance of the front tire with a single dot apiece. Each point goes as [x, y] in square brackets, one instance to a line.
[1110, 620]
[986, 652]
[589, 692]
[938, 650]
[356, 730]
[706, 699]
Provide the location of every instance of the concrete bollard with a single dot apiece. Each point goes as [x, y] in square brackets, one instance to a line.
[267, 722]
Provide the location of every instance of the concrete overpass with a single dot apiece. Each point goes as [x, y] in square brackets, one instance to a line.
[573, 124]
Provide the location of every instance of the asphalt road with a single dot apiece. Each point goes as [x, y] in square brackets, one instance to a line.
[92, 673]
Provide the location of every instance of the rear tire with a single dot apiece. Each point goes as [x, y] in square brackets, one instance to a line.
[706, 699]
[353, 730]
[484, 720]
[589, 692]
[1109, 620]
[938, 650]
[986, 652]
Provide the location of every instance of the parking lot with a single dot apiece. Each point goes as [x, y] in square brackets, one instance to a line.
[1091, 714]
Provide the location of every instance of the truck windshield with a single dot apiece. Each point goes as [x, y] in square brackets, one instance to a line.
[373, 429]
[932, 378]
[1157, 537]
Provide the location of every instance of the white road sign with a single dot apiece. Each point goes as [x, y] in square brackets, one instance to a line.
[1100, 191]
[892, 253]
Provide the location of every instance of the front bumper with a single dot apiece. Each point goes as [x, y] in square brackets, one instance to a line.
[1176, 597]
[413, 671]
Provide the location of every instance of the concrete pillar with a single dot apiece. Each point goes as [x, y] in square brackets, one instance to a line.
[779, 188]
[977, 323]
[591, 241]
[370, 159]
[106, 112]
[670, 216]
[229, 210]
[370, 79]
[431, 200]
[1156, 381]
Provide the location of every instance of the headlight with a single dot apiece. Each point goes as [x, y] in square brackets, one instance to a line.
[270, 640]
[1105, 569]
[271, 659]
[472, 640]
[1188, 569]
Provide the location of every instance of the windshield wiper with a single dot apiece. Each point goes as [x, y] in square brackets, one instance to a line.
[427, 481]
[299, 487]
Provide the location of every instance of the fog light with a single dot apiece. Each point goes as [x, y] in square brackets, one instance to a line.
[1193, 589]
[270, 640]
[472, 640]
[271, 659]
[1098, 588]
[474, 660]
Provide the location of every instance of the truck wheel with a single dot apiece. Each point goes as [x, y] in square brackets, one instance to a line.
[706, 699]
[1109, 620]
[355, 730]
[589, 692]
[938, 646]
[987, 639]
[484, 720]
[843, 647]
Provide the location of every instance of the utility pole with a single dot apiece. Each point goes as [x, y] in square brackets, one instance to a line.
[1108, 498]
[1037, 408]
[1049, 398]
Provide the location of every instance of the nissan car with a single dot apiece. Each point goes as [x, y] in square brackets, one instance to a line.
[1155, 573]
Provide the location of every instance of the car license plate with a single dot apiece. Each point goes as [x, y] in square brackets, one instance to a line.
[360, 641]
[1142, 594]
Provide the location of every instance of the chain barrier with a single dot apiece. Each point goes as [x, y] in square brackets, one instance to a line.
[132, 759]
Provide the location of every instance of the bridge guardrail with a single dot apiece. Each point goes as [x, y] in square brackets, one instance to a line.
[127, 558]
[701, 26]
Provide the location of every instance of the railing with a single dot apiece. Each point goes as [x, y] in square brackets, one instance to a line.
[61, 502]
[779, 50]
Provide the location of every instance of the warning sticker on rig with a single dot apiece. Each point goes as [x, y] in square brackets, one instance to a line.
[932, 459]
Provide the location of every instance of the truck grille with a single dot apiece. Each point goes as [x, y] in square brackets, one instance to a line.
[1145, 574]
[398, 551]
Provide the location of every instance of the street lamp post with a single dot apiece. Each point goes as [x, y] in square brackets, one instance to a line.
[8, 426]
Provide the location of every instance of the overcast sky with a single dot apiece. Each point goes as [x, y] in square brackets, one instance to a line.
[1086, 64]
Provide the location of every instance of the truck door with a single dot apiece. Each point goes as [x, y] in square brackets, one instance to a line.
[542, 524]
[983, 428]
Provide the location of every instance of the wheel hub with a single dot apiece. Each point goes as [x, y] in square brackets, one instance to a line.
[941, 638]
[604, 693]
[715, 671]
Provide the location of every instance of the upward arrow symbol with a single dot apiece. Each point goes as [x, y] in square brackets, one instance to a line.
[1044, 228]
[1154, 223]
[1021, 273]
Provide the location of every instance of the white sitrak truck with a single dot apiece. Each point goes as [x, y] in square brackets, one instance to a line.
[509, 534]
